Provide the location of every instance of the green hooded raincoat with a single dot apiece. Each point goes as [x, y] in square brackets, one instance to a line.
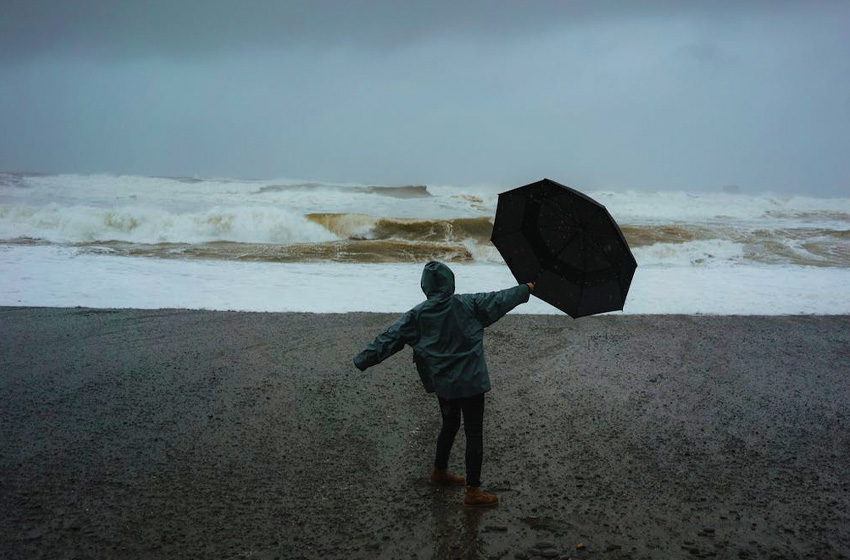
[446, 333]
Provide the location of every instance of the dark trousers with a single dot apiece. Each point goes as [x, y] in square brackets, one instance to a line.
[472, 409]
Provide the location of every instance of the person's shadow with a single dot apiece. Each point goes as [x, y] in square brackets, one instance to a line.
[454, 527]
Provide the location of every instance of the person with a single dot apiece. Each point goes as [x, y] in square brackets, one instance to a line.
[446, 333]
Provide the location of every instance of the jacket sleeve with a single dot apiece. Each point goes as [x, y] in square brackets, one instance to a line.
[490, 307]
[393, 339]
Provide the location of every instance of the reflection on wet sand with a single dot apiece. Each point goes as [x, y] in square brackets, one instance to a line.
[455, 528]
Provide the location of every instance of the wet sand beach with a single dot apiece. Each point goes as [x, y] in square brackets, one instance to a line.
[193, 434]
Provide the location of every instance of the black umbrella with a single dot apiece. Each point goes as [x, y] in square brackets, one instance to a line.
[568, 244]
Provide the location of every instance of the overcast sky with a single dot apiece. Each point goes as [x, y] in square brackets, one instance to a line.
[662, 95]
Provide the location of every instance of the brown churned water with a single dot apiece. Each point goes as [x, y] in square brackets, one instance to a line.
[295, 221]
[367, 239]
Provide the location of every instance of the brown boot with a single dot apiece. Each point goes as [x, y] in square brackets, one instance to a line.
[475, 497]
[443, 476]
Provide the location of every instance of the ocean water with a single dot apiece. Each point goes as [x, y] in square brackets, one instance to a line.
[286, 245]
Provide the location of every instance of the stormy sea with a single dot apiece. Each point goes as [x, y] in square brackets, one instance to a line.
[293, 245]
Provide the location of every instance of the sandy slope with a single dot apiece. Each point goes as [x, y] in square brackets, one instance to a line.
[187, 434]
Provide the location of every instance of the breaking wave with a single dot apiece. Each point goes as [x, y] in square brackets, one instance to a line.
[409, 191]
[278, 235]
[76, 224]
[291, 220]
[365, 226]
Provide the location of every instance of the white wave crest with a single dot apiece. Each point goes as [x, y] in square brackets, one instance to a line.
[710, 252]
[444, 201]
[137, 224]
[483, 253]
[766, 210]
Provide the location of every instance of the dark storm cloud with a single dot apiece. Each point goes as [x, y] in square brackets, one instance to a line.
[109, 29]
[683, 94]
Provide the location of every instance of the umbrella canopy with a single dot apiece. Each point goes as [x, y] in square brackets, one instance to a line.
[568, 244]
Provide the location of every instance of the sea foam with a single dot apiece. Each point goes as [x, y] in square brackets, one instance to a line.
[62, 277]
[683, 242]
[147, 224]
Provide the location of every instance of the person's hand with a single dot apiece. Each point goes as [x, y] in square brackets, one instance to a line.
[530, 286]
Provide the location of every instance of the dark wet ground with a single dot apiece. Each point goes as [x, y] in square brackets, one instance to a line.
[187, 434]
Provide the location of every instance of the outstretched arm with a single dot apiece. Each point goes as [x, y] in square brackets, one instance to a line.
[393, 339]
[490, 307]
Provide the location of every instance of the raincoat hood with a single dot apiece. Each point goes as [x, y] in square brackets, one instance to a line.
[438, 280]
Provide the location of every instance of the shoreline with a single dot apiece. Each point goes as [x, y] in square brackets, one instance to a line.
[391, 314]
[180, 433]
[56, 277]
